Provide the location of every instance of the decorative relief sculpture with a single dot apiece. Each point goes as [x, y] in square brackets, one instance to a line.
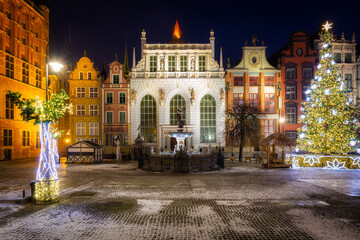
[161, 91]
[132, 97]
[192, 96]
[192, 64]
[162, 64]
[222, 95]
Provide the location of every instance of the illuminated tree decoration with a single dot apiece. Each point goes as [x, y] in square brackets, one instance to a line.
[45, 114]
[335, 164]
[311, 159]
[356, 161]
[328, 112]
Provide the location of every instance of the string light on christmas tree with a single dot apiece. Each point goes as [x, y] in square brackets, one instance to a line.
[335, 164]
[327, 107]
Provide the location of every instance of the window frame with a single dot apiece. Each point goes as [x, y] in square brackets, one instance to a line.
[268, 126]
[25, 138]
[291, 117]
[171, 63]
[117, 79]
[238, 99]
[290, 95]
[153, 63]
[253, 102]
[238, 81]
[290, 72]
[82, 93]
[119, 119]
[92, 93]
[269, 81]
[89, 75]
[253, 81]
[107, 113]
[93, 128]
[208, 119]
[80, 130]
[107, 98]
[183, 63]
[202, 63]
[80, 110]
[122, 97]
[269, 109]
[93, 110]
[81, 75]
[7, 137]
[9, 108]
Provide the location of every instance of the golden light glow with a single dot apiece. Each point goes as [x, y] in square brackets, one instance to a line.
[327, 26]
[177, 31]
[47, 191]
[67, 140]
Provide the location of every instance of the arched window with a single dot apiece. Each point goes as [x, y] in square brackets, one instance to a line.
[207, 119]
[148, 119]
[177, 101]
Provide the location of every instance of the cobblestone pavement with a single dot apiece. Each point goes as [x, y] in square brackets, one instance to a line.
[243, 201]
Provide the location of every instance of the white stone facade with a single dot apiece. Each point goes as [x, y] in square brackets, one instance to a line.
[192, 82]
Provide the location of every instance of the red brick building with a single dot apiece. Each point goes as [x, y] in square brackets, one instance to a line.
[297, 61]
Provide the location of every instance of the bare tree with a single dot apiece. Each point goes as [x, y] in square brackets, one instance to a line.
[243, 123]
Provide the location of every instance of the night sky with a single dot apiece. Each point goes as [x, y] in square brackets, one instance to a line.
[102, 28]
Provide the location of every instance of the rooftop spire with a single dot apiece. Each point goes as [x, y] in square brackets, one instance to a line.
[126, 62]
[177, 32]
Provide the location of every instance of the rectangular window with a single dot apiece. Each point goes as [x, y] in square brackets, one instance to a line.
[238, 81]
[269, 103]
[292, 135]
[116, 79]
[94, 92]
[109, 117]
[89, 75]
[269, 81]
[307, 72]
[124, 139]
[290, 115]
[9, 108]
[9, 66]
[36, 48]
[171, 63]
[25, 138]
[38, 144]
[8, 31]
[36, 34]
[25, 73]
[253, 98]
[348, 57]
[80, 129]
[183, 63]
[290, 92]
[109, 139]
[93, 110]
[337, 57]
[269, 128]
[253, 81]
[94, 140]
[348, 81]
[80, 110]
[8, 134]
[122, 117]
[290, 73]
[152, 63]
[109, 98]
[202, 63]
[122, 99]
[38, 78]
[304, 89]
[93, 128]
[80, 92]
[81, 75]
[238, 99]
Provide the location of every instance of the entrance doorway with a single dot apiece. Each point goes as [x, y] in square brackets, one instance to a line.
[7, 154]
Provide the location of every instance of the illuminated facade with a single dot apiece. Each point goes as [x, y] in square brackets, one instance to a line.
[298, 62]
[24, 35]
[85, 95]
[254, 81]
[172, 75]
[115, 92]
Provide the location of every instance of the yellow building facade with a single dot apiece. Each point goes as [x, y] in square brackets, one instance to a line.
[24, 35]
[84, 92]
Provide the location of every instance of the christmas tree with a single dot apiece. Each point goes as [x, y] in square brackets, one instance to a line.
[328, 113]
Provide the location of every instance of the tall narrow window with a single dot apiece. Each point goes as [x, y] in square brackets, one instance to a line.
[93, 92]
[171, 63]
[348, 57]
[348, 81]
[89, 75]
[337, 57]
[80, 92]
[25, 73]
[290, 114]
[122, 98]
[109, 117]
[80, 129]
[116, 79]
[238, 99]
[307, 72]
[177, 101]
[183, 63]
[9, 66]
[8, 137]
[38, 78]
[290, 73]
[9, 108]
[269, 81]
[26, 138]
[207, 119]
[81, 75]
[202, 63]
[122, 117]
[268, 128]
[109, 98]
[148, 119]
[253, 81]
[238, 81]
[93, 128]
[269, 103]
[152, 63]
[253, 99]
[93, 110]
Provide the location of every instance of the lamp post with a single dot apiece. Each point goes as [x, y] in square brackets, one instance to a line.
[280, 103]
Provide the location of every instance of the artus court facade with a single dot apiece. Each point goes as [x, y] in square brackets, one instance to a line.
[172, 75]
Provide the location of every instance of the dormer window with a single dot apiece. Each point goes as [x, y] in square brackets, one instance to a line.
[81, 75]
[89, 75]
[116, 79]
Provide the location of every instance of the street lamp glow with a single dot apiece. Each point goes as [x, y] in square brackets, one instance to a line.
[282, 120]
[56, 66]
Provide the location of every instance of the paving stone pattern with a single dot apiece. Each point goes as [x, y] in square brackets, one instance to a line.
[117, 201]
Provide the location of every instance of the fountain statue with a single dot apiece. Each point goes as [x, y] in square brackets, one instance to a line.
[180, 135]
